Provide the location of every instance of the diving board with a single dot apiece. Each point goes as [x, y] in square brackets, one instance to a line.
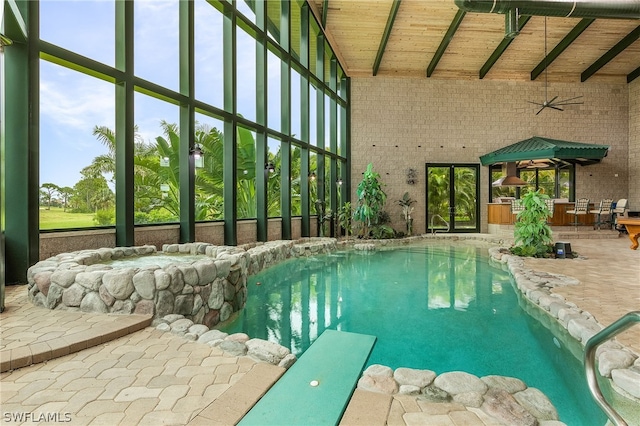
[335, 361]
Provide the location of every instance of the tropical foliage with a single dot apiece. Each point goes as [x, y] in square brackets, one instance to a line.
[465, 194]
[371, 199]
[156, 178]
[531, 232]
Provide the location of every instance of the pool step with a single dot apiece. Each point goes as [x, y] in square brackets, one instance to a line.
[334, 361]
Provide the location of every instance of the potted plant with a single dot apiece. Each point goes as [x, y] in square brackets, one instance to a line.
[406, 202]
[531, 232]
[345, 213]
[371, 199]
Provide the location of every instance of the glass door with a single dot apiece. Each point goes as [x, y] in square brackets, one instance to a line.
[452, 197]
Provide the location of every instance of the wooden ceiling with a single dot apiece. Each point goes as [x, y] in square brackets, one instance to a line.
[417, 31]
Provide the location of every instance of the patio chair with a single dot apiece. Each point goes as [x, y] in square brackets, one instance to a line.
[604, 210]
[581, 208]
[620, 210]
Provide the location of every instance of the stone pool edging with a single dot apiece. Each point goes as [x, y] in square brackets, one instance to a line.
[206, 291]
[618, 364]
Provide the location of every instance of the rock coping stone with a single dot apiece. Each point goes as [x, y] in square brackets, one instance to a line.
[506, 399]
[618, 364]
[238, 344]
[206, 287]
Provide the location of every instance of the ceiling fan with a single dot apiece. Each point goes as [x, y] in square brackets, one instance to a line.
[553, 104]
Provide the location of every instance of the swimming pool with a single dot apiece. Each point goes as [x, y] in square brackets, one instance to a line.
[438, 307]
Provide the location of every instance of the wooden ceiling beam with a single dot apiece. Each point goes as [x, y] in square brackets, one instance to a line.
[561, 47]
[385, 35]
[631, 38]
[453, 27]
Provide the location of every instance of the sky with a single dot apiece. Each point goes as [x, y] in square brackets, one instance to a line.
[72, 104]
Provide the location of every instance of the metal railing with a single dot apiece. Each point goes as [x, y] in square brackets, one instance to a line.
[433, 230]
[589, 362]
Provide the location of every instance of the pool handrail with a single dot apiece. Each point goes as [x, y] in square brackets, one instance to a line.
[590, 347]
[433, 230]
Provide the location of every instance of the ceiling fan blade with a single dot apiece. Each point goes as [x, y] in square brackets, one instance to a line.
[540, 110]
[536, 103]
[554, 98]
[569, 103]
[555, 107]
[570, 99]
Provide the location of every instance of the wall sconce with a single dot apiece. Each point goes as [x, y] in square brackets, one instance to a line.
[196, 151]
[339, 182]
[269, 167]
[312, 176]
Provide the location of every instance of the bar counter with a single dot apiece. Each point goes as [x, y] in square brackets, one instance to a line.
[500, 214]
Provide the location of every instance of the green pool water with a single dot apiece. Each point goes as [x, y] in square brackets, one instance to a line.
[436, 307]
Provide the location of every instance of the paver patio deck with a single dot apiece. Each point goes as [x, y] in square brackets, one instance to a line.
[152, 377]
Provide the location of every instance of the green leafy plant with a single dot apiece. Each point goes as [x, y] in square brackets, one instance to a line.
[532, 234]
[406, 202]
[345, 214]
[371, 199]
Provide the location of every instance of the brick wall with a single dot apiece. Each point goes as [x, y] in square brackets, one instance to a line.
[402, 123]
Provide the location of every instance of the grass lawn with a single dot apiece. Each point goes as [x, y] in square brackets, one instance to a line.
[56, 218]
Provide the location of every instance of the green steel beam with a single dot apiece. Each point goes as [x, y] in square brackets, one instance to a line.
[304, 122]
[561, 47]
[612, 53]
[125, 123]
[17, 32]
[325, 13]
[230, 134]
[385, 35]
[502, 47]
[262, 119]
[186, 161]
[633, 75]
[285, 125]
[21, 143]
[453, 27]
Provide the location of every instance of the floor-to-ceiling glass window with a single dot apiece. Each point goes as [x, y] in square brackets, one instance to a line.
[144, 103]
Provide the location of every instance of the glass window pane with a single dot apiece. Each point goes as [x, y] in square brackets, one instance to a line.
[274, 80]
[156, 42]
[313, 115]
[246, 171]
[247, 10]
[296, 105]
[314, 35]
[246, 74]
[328, 55]
[342, 118]
[209, 75]
[156, 161]
[547, 182]
[295, 16]
[273, 179]
[296, 206]
[77, 149]
[209, 189]
[327, 123]
[528, 176]
[62, 21]
[313, 183]
[273, 21]
[564, 180]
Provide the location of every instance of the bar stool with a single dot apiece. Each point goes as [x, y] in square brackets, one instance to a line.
[581, 207]
[603, 210]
